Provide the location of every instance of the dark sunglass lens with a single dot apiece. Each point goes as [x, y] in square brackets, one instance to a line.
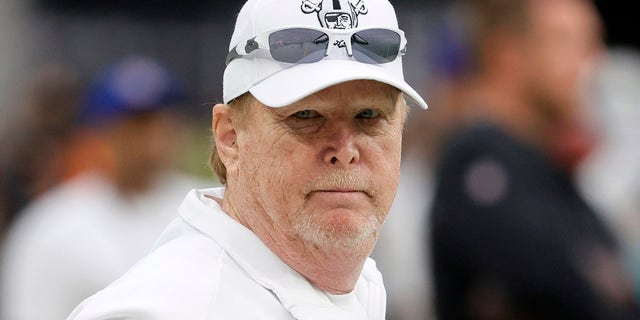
[375, 46]
[298, 45]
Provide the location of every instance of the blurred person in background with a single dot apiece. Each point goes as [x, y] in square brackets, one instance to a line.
[120, 193]
[402, 251]
[511, 237]
[34, 147]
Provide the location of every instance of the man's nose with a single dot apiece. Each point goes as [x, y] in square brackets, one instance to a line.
[341, 148]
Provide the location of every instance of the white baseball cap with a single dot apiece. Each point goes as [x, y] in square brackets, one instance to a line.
[278, 84]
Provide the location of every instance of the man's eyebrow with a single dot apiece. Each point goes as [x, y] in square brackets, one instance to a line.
[387, 107]
[305, 104]
[280, 112]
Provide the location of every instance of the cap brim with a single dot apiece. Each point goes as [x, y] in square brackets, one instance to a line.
[297, 82]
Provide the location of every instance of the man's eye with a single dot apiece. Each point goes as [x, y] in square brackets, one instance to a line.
[368, 114]
[305, 114]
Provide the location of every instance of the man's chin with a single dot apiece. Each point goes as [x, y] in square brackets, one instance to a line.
[339, 228]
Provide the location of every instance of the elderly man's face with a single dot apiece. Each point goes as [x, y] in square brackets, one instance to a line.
[325, 169]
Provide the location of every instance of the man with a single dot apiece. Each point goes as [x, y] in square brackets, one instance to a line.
[308, 146]
[511, 236]
[121, 192]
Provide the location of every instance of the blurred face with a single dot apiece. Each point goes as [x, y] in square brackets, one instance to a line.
[144, 145]
[324, 169]
[563, 46]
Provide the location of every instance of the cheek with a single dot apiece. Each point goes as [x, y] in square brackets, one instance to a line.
[559, 66]
[385, 167]
[272, 169]
[547, 76]
[392, 147]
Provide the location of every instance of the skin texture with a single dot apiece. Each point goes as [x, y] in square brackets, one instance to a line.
[315, 180]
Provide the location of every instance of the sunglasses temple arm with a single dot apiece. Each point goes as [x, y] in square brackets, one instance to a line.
[233, 54]
[251, 45]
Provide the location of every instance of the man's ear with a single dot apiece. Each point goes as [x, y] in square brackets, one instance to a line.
[224, 135]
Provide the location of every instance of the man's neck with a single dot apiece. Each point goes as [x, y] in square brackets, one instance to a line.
[333, 270]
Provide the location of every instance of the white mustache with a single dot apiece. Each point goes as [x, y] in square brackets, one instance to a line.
[342, 180]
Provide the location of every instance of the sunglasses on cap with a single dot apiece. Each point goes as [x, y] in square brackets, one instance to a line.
[308, 44]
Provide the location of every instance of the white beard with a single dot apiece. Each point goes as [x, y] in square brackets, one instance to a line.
[329, 237]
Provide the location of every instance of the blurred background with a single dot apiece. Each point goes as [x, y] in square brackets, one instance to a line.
[53, 52]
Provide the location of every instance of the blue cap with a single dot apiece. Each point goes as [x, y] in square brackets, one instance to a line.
[134, 85]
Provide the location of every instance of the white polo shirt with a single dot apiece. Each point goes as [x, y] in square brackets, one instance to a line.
[208, 266]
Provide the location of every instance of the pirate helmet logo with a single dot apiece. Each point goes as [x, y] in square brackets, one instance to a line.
[336, 14]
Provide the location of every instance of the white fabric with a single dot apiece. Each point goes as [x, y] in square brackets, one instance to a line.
[78, 238]
[277, 84]
[207, 266]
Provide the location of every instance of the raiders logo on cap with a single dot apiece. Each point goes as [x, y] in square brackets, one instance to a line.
[336, 14]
